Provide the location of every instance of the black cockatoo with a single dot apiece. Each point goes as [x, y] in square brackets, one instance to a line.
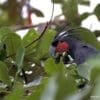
[66, 46]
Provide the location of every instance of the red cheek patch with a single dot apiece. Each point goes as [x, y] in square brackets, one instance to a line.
[62, 46]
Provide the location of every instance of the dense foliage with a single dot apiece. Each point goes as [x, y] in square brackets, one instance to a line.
[54, 81]
[28, 72]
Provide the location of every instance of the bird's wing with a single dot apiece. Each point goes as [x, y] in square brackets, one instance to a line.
[83, 52]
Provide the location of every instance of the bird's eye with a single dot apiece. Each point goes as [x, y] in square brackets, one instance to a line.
[62, 46]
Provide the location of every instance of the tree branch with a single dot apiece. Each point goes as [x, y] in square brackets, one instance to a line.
[38, 37]
[43, 32]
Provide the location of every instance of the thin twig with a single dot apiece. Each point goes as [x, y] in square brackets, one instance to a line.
[38, 37]
[43, 32]
[47, 25]
[52, 12]
[19, 27]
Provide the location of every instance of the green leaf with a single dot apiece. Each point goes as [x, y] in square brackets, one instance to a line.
[97, 33]
[37, 12]
[1, 45]
[91, 68]
[84, 70]
[84, 16]
[95, 62]
[20, 57]
[96, 89]
[3, 52]
[97, 11]
[66, 87]
[51, 67]
[88, 37]
[95, 72]
[38, 90]
[57, 1]
[4, 74]
[84, 2]
[48, 90]
[58, 88]
[16, 93]
[3, 55]
[70, 11]
[12, 42]
[3, 32]
[28, 38]
[44, 45]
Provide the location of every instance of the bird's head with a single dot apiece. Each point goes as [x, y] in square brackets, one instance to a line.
[59, 46]
[62, 46]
